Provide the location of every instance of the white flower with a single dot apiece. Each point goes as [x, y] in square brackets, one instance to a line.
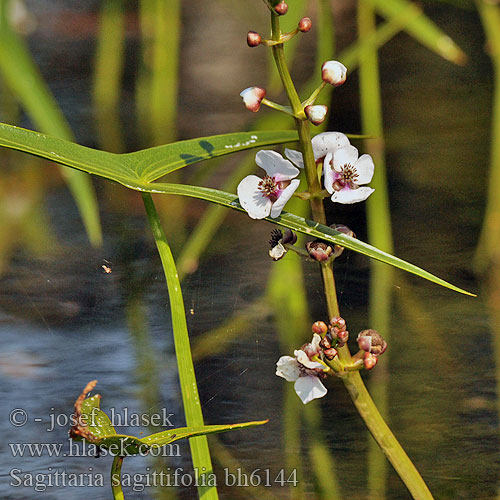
[267, 196]
[322, 144]
[303, 372]
[345, 172]
[333, 72]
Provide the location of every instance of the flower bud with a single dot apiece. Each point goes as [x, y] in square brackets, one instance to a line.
[253, 39]
[281, 8]
[330, 353]
[370, 360]
[319, 327]
[319, 250]
[325, 343]
[371, 341]
[338, 322]
[338, 249]
[342, 336]
[316, 113]
[333, 72]
[304, 25]
[252, 97]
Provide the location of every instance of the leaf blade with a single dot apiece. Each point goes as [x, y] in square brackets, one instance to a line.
[307, 227]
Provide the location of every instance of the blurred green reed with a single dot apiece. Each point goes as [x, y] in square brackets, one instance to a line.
[157, 80]
[21, 75]
[379, 234]
[108, 73]
[489, 240]
[487, 258]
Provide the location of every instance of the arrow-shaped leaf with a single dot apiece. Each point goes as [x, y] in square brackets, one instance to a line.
[133, 171]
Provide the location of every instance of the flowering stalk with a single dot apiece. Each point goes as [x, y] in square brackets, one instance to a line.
[352, 379]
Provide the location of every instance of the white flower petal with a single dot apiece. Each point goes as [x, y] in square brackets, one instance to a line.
[275, 165]
[278, 252]
[315, 341]
[364, 168]
[304, 360]
[344, 156]
[328, 173]
[309, 388]
[286, 194]
[295, 157]
[328, 142]
[348, 196]
[252, 199]
[288, 368]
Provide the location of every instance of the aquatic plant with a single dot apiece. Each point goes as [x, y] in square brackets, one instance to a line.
[328, 155]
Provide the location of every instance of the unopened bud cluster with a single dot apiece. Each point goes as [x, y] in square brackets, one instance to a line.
[332, 72]
[333, 336]
[373, 345]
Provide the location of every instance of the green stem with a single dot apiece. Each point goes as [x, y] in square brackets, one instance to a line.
[314, 95]
[277, 107]
[190, 397]
[116, 483]
[353, 382]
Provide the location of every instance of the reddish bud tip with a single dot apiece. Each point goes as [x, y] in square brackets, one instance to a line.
[319, 327]
[316, 114]
[338, 322]
[370, 360]
[342, 336]
[371, 341]
[333, 72]
[281, 8]
[330, 353]
[304, 25]
[252, 97]
[253, 39]
[337, 249]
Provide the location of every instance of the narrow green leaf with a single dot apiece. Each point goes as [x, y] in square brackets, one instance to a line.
[99, 430]
[112, 166]
[153, 163]
[302, 225]
[422, 29]
[146, 165]
[21, 74]
[192, 408]
[166, 437]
